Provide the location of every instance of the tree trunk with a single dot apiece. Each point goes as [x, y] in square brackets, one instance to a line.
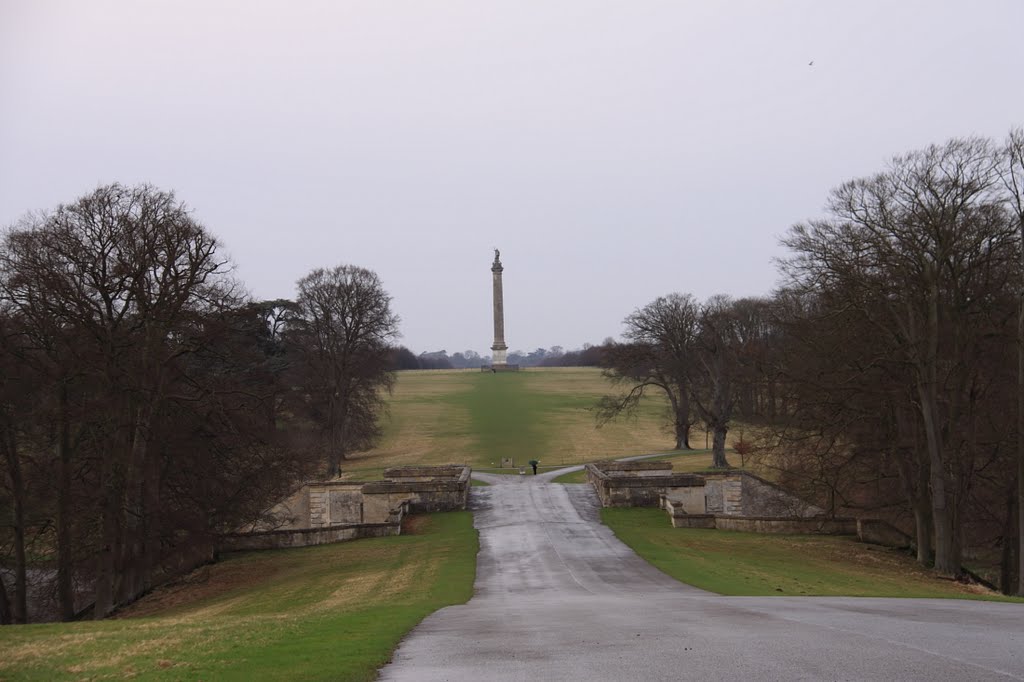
[5, 604]
[65, 554]
[942, 516]
[1008, 561]
[923, 509]
[914, 479]
[109, 550]
[718, 460]
[923, 532]
[133, 560]
[19, 609]
[335, 439]
[912, 464]
[679, 401]
[682, 434]
[928, 386]
[1020, 435]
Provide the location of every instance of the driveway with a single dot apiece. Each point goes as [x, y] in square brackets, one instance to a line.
[559, 597]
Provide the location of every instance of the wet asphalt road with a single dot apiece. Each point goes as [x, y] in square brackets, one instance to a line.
[558, 597]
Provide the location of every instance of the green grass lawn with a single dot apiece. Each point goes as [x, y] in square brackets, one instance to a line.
[756, 564]
[333, 612]
[473, 417]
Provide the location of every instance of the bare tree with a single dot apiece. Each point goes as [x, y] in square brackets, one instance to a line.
[849, 417]
[345, 328]
[658, 357]
[12, 394]
[145, 407]
[922, 252]
[715, 371]
[1011, 173]
[125, 270]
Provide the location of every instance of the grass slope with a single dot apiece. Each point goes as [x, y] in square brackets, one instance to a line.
[329, 612]
[755, 564]
[477, 417]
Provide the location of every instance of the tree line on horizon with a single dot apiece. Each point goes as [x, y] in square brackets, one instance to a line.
[886, 374]
[587, 356]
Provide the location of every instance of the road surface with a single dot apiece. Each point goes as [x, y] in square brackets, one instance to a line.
[558, 597]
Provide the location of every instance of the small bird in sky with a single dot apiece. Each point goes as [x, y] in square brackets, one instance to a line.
[810, 63]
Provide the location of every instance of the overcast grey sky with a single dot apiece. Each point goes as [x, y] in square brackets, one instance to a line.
[613, 151]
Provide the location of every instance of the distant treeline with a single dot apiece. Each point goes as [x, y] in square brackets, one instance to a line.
[587, 356]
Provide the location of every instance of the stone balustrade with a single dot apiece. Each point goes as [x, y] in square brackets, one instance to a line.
[333, 511]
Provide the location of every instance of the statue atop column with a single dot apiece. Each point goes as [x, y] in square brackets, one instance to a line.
[499, 350]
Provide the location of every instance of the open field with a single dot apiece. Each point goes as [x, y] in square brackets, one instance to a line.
[436, 417]
[753, 564]
[329, 612]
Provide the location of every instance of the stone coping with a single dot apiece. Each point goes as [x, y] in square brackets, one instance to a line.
[721, 473]
[782, 525]
[307, 537]
[379, 487]
[443, 471]
[350, 483]
[612, 465]
[446, 472]
[802, 519]
[319, 529]
[668, 480]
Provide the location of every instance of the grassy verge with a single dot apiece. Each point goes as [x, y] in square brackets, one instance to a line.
[763, 565]
[572, 477]
[330, 612]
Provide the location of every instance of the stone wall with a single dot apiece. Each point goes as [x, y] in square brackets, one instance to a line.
[728, 493]
[322, 512]
[333, 503]
[739, 493]
[694, 521]
[723, 495]
[882, 533]
[643, 490]
[681, 517]
[449, 491]
[452, 472]
[305, 537]
[323, 504]
[789, 526]
[635, 469]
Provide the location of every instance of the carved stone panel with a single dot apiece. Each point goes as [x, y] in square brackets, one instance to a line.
[346, 506]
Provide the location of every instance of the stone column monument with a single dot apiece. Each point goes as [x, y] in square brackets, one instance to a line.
[499, 349]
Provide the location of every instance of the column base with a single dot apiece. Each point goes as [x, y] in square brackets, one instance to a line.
[504, 367]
